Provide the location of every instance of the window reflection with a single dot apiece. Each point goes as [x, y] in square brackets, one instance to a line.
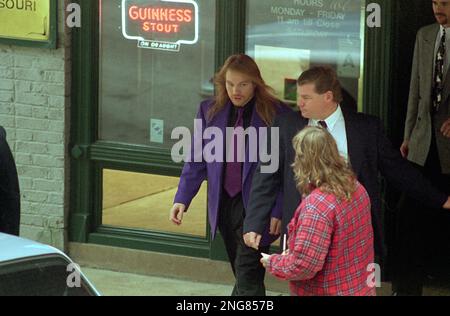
[143, 201]
[287, 37]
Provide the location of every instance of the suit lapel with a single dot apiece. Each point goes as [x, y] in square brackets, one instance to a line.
[354, 142]
[256, 122]
[220, 120]
[446, 92]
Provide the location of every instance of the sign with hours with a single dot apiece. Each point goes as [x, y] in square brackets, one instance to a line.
[160, 24]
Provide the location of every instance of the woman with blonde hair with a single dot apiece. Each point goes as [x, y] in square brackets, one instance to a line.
[330, 245]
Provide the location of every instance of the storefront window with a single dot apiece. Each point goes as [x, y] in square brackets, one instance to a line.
[156, 65]
[287, 37]
[157, 61]
[143, 201]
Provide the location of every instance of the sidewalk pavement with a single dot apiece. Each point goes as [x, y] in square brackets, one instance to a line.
[110, 283]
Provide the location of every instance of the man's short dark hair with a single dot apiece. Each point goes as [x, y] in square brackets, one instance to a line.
[324, 78]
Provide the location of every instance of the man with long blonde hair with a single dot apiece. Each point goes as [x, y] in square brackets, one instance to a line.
[330, 235]
[242, 101]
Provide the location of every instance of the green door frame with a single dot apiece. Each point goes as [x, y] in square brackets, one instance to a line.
[89, 156]
[378, 63]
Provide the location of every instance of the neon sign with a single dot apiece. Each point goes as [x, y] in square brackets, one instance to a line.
[160, 24]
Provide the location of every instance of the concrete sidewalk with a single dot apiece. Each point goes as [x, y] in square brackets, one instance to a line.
[127, 272]
[110, 283]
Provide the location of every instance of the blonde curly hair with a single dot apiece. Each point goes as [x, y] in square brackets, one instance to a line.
[318, 164]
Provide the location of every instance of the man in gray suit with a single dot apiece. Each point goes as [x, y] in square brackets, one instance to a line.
[427, 144]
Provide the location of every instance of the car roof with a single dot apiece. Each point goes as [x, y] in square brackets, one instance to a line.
[16, 248]
[13, 248]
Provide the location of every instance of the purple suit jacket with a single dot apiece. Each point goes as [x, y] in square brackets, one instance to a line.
[194, 173]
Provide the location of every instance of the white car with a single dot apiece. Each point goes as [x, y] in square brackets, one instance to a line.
[29, 268]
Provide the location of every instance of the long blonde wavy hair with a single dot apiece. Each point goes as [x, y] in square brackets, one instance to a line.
[264, 97]
[318, 164]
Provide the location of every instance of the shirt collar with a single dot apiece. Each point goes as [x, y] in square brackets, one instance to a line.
[441, 30]
[330, 120]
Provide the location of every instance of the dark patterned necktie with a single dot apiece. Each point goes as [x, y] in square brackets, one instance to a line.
[323, 124]
[439, 73]
[233, 171]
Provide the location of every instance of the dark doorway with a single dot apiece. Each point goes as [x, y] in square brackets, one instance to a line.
[409, 16]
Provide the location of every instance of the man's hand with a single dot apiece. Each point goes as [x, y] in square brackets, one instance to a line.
[275, 226]
[447, 204]
[176, 213]
[445, 129]
[404, 148]
[252, 240]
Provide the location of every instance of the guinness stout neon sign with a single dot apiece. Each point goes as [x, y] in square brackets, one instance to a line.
[160, 24]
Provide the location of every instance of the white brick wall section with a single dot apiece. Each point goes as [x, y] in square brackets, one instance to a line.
[33, 111]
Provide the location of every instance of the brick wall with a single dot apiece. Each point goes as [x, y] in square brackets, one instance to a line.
[34, 110]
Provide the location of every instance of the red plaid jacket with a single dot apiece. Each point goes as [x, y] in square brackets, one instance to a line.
[330, 247]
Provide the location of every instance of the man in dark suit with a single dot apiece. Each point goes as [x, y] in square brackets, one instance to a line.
[360, 141]
[426, 144]
[9, 189]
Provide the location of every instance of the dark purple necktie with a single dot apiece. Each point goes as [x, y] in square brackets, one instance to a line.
[233, 171]
[323, 124]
